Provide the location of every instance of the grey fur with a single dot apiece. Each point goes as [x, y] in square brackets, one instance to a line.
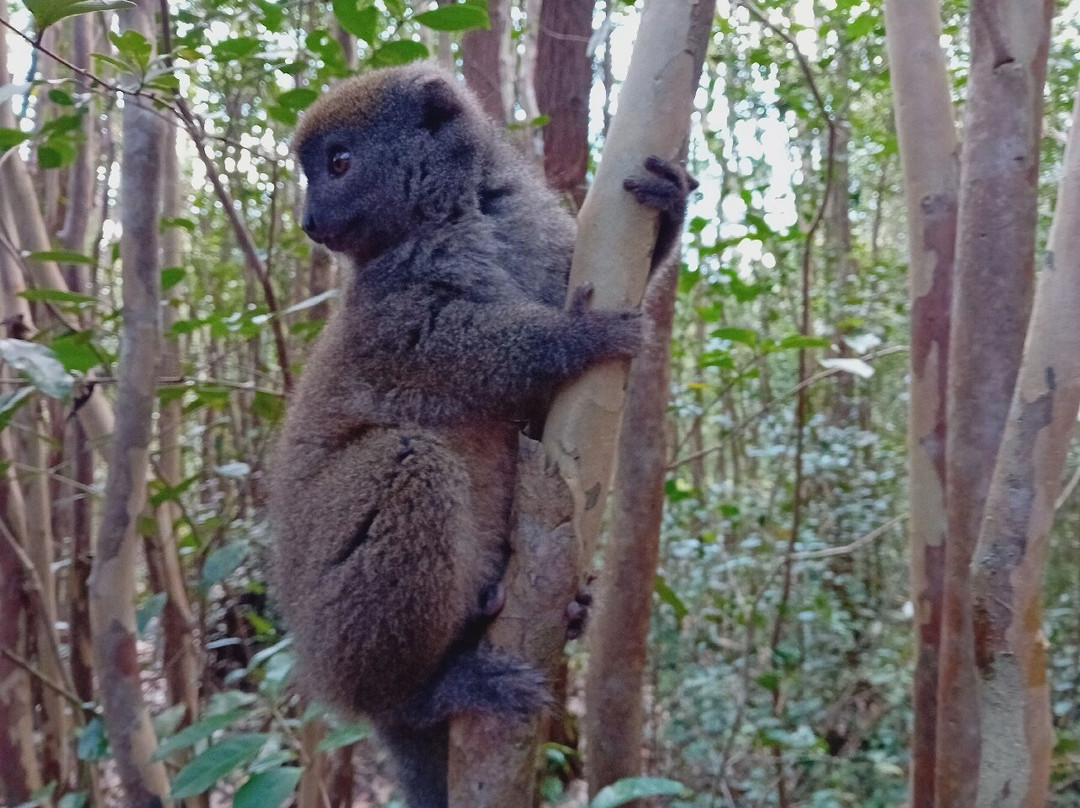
[393, 477]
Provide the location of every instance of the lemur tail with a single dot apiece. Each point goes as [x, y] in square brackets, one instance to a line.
[480, 679]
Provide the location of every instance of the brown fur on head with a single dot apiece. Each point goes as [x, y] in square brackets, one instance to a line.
[354, 101]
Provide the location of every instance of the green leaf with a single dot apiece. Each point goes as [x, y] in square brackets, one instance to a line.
[10, 138]
[238, 47]
[59, 256]
[170, 277]
[458, 17]
[133, 45]
[149, 610]
[178, 221]
[267, 789]
[55, 154]
[223, 562]
[93, 745]
[800, 341]
[73, 799]
[10, 403]
[46, 12]
[58, 96]
[76, 351]
[206, 769]
[200, 730]
[72, 299]
[667, 595]
[344, 735]
[359, 17]
[860, 26]
[300, 98]
[400, 52]
[39, 364]
[635, 788]
[743, 335]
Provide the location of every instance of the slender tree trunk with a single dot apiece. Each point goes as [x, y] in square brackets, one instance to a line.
[928, 151]
[563, 80]
[618, 636]
[112, 583]
[1010, 649]
[486, 63]
[991, 301]
[493, 761]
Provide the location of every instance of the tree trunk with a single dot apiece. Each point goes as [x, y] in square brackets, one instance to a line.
[928, 151]
[112, 583]
[486, 63]
[1010, 649]
[992, 298]
[563, 80]
[618, 636]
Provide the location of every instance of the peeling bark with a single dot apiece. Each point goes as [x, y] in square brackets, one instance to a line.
[1014, 696]
[991, 302]
[929, 155]
[618, 636]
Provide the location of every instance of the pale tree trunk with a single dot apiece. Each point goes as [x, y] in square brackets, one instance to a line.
[486, 63]
[563, 79]
[928, 152]
[181, 648]
[19, 771]
[112, 583]
[995, 251]
[1010, 648]
[619, 633]
[493, 761]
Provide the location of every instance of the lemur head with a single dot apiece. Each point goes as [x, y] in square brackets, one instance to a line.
[386, 152]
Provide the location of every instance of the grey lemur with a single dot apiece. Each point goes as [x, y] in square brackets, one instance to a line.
[393, 477]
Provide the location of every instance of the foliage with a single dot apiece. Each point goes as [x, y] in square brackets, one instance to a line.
[828, 693]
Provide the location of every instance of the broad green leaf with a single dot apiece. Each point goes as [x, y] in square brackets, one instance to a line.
[46, 12]
[55, 154]
[238, 47]
[60, 296]
[458, 17]
[400, 52]
[214, 763]
[860, 26]
[636, 788]
[743, 335]
[223, 562]
[39, 364]
[58, 96]
[133, 45]
[76, 351]
[667, 595]
[12, 137]
[73, 799]
[60, 257]
[300, 98]
[799, 341]
[359, 17]
[170, 277]
[344, 735]
[267, 789]
[200, 730]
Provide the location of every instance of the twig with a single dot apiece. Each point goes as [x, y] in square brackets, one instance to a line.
[78, 703]
[829, 552]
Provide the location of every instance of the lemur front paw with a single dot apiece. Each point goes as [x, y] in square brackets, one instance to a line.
[665, 188]
[577, 614]
[619, 332]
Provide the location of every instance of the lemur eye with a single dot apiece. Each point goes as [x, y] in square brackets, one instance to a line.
[339, 162]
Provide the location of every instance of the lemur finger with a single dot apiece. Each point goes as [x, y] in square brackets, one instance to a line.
[659, 194]
[581, 298]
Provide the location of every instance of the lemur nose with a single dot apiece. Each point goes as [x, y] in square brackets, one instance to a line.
[309, 225]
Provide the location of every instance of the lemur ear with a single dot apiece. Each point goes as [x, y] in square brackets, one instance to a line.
[441, 103]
